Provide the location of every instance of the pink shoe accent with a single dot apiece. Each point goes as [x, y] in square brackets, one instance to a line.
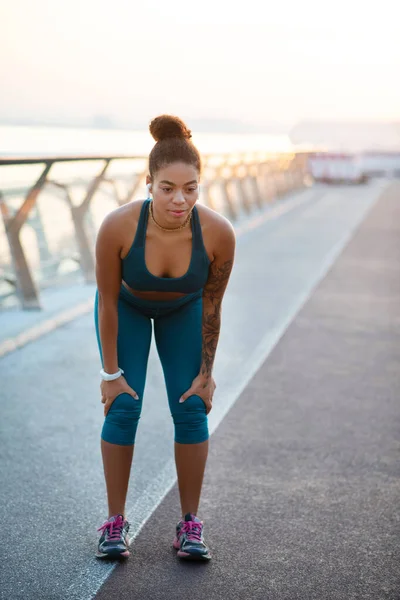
[193, 530]
[176, 544]
[114, 526]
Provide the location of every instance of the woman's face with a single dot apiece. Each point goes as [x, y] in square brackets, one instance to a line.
[175, 190]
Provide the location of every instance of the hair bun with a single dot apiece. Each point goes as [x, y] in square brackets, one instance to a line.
[167, 126]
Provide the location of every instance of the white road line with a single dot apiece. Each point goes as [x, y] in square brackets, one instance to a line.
[35, 332]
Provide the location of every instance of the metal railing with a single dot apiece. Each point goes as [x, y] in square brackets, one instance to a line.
[233, 184]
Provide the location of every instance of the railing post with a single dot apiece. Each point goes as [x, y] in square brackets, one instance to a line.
[94, 185]
[231, 209]
[242, 193]
[255, 192]
[25, 285]
[262, 181]
[301, 166]
[253, 182]
[35, 221]
[135, 186]
[78, 214]
[279, 180]
[290, 178]
[268, 183]
[206, 194]
[86, 256]
[26, 288]
[271, 184]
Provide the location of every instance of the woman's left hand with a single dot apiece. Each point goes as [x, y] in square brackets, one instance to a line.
[203, 387]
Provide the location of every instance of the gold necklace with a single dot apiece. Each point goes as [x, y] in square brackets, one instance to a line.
[188, 219]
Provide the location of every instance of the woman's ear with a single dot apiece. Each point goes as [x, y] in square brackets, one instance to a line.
[148, 185]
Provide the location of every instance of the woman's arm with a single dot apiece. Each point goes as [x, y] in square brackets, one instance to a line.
[108, 276]
[213, 292]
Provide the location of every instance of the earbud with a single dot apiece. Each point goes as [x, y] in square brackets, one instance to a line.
[148, 186]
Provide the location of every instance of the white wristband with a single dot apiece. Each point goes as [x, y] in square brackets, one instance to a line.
[110, 376]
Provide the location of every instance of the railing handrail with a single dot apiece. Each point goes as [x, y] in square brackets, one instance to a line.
[31, 160]
[26, 160]
[244, 180]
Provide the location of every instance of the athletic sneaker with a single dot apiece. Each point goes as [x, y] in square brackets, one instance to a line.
[189, 539]
[114, 540]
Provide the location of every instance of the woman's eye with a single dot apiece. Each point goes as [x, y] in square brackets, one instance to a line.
[193, 189]
[168, 190]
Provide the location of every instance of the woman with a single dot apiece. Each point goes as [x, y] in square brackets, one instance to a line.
[169, 260]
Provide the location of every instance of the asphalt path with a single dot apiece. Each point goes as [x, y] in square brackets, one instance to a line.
[52, 496]
[302, 489]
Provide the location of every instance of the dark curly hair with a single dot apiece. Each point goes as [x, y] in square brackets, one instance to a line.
[172, 144]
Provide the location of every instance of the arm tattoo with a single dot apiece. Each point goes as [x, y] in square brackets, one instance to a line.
[212, 299]
[217, 280]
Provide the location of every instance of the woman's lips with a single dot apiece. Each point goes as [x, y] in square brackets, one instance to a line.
[177, 213]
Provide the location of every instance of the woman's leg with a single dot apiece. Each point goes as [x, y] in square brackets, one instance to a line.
[117, 462]
[179, 342]
[190, 462]
[120, 424]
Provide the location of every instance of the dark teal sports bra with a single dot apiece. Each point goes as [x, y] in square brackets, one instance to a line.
[137, 276]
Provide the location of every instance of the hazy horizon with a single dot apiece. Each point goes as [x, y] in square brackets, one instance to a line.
[104, 122]
[223, 126]
[258, 65]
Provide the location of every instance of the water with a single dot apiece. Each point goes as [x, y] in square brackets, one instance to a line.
[56, 141]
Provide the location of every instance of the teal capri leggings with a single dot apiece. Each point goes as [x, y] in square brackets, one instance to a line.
[178, 337]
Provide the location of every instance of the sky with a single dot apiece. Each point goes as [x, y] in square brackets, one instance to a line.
[256, 61]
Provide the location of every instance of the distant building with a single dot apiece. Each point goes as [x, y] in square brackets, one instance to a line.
[348, 136]
[102, 122]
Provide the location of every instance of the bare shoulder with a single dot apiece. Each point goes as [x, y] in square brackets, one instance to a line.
[120, 225]
[127, 212]
[214, 220]
[121, 220]
[217, 229]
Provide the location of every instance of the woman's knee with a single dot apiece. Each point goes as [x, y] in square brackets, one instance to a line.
[122, 420]
[191, 422]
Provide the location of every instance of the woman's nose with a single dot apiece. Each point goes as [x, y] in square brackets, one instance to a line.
[179, 198]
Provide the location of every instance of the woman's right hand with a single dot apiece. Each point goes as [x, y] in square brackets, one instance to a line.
[111, 389]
